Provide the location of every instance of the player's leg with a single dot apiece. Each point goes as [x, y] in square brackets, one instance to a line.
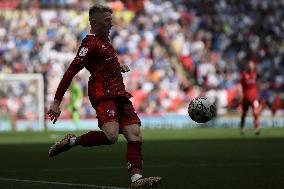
[134, 158]
[108, 122]
[245, 105]
[132, 133]
[256, 109]
[130, 128]
[108, 135]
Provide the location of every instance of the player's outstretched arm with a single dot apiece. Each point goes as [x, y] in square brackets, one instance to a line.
[76, 65]
[54, 110]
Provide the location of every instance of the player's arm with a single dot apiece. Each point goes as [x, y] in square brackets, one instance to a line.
[54, 110]
[76, 65]
[240, 92]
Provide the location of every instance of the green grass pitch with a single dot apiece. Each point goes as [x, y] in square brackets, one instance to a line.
[199, 158]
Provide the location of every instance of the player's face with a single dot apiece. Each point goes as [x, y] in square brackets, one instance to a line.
[102, 23]
[251, 65]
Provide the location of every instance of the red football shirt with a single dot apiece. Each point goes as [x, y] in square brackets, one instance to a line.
[98, 56]
[249, 84]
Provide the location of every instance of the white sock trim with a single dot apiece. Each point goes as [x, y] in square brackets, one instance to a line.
[135, 177]
[72, 141]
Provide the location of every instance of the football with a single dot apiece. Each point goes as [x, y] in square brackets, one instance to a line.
[201, 110]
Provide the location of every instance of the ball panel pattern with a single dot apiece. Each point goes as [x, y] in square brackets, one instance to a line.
[201, 110]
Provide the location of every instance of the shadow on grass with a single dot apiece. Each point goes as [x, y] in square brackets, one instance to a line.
[183, 164]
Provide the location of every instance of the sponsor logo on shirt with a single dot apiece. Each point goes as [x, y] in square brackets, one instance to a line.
[111, 112]
[110, 58]
[83, 51]
[104, 47]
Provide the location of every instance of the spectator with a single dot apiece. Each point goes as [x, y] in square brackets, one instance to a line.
[176, 49]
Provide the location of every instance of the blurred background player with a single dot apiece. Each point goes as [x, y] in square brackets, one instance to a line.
[76, 101]
[249, 95]
[108, 96]
[277, 105]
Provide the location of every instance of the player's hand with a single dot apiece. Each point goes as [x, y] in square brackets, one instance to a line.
[54, 111]
[124, 68]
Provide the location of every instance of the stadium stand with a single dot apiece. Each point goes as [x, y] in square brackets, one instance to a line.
[177, 50]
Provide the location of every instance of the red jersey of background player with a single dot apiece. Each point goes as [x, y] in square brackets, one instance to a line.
[249, 84]
[99, 57]
[250, 96]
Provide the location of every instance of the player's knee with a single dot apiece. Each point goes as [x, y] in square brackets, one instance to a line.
[139, 136]
[111, 131]
[113, 137]
[136, 135]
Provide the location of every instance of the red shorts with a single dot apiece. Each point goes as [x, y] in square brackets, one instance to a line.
[254, 103]
[118, 109]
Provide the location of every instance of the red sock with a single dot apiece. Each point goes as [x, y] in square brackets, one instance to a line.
[134, 157]
[93, 138]
[243, 120]
[256, 122]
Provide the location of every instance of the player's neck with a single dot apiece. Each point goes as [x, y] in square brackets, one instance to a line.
[93, 31]
[99, 35]
[103, 37]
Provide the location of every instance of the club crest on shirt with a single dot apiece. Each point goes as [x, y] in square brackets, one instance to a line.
[111, 112]
[83, 51]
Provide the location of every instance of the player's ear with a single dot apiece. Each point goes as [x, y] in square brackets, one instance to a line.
[92, 21]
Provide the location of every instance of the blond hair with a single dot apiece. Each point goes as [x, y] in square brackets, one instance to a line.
[98, 8]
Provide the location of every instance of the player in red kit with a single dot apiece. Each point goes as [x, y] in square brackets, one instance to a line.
[249, 94]
[107, 95]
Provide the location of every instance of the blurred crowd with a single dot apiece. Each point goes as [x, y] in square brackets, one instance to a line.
[176, 49]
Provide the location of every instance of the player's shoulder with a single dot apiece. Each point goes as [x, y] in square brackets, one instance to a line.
[89, 39]
[89, 43]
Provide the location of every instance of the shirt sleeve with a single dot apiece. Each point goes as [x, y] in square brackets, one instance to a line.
[82, 55]
[66, 81]
[76, 65]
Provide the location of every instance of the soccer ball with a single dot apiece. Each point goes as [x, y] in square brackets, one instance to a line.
[201, 110]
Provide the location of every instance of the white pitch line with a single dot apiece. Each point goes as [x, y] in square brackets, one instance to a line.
[149, 166]
[60, 183]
